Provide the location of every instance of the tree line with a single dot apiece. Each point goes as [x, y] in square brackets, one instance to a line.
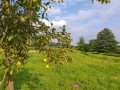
[105, 42]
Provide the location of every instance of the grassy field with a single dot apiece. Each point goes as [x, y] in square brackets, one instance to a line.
[85, 72]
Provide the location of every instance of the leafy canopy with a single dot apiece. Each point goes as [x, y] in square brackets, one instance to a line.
[106, 41]
[20, 23]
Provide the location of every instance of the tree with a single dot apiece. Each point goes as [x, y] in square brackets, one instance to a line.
[105, 41]
[82, 46]
[92, 45]
[19, 22]
[118, 49]
[86, 47]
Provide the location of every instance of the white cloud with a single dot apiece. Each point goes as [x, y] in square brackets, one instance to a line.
[59, 23]
[97, 10]
[56, 24]
[46, 22]
[54, 11]
[85, 14]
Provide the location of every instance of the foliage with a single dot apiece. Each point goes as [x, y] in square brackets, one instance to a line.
[118, 49]
[102, 1]
[19, 24]
[82, 46]
[92, 45]
[86, 47]
[48, 34]
[106, 41]
[57, 56]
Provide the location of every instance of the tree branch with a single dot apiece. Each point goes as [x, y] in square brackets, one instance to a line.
[1, 64]
[3, 77]
[6, 29]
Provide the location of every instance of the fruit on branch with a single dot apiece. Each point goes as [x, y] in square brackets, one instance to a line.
[23, 19]
[34, 1]
[62, 1]
[11, 72]
[45, 59]
[47, 66]
[18, 63]
[5, 6]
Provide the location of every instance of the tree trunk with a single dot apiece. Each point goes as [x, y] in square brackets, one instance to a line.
[10, 85]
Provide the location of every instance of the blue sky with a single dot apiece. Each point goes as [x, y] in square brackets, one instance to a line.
[83, 18]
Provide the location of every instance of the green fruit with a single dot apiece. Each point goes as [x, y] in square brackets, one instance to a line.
[62, 1]
[11, 72]
[45, 59]
[22, 19]
[34, 1]
[18, 63]
[47, 66]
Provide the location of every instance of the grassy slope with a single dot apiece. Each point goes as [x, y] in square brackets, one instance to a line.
[92, 72]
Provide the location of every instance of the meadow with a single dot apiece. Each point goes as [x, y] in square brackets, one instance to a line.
[87, 71]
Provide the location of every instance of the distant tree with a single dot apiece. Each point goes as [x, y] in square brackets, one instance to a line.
[105, 41]
[86, 47]
[92, 45]
[118, 49]
[81, 40]
[81, 45]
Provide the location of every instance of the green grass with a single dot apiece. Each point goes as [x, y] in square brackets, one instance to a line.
[89, 71]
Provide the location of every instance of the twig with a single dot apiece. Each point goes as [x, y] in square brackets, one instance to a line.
[1, 64]
[6, 29]
[4, 77]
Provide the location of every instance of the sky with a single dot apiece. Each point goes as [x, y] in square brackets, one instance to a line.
[82, 18]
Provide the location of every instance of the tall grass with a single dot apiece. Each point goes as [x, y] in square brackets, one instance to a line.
[85, 72]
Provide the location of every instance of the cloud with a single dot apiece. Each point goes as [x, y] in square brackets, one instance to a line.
[56, 24]
[81, 15]
[59, 23]
[95, 11]
[54, 11]
[46, 22]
